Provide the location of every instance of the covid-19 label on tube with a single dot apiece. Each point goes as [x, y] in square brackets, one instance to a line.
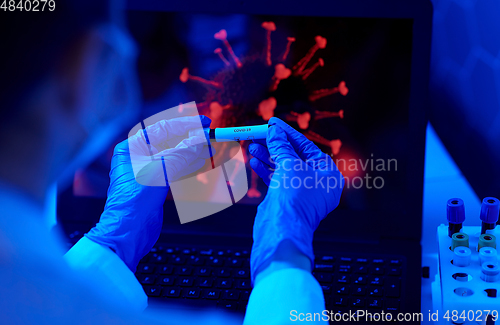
[239, 133]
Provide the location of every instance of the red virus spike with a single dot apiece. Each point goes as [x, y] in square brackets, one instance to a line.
[317, 94]
[217, 109]
[334, 145]
[185, 76]
[320, 44]
[222, 35]
[287, 50]
[308, 72]
[301, 119]
[343, 89]
[266, 108]
[269, 26]
[218, 51]
[325, 114]
[280, 72]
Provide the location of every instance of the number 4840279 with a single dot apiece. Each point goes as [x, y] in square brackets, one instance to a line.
[28, 5]
[471, 315]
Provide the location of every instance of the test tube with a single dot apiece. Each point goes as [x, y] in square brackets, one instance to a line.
[251, 132]
[489, 213]
[459, 239]
[455, 213]
[490, 271]
[487, 254]
[462, 256]
[487, 240]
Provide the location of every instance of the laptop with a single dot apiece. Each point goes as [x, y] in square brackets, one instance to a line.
[360, 96]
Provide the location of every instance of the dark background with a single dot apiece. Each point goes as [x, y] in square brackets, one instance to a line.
[465, 88]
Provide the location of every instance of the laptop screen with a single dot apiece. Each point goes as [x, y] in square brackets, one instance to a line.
[342, 82]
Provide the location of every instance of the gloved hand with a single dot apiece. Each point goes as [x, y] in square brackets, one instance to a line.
[305, 186]
[132, 219]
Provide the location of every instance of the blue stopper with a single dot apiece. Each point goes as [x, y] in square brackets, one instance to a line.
[455, 211]
[490, 209]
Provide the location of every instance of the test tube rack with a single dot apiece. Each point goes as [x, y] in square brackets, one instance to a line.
[463, 288]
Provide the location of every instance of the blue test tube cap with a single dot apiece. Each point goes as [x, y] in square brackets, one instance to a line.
[489, 210]
[455, 211]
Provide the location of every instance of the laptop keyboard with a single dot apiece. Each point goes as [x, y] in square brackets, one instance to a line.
[206, 277]
[360, 283]
[220, 278]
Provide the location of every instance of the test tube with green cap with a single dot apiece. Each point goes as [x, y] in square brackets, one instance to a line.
[487, 240]
[459, 239]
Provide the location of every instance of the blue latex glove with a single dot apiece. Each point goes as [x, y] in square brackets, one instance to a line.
[305, 186]
[132, 219]
[261, 162]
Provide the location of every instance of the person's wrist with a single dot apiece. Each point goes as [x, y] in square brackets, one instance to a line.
[286, 256]
[97, 235]
[285, 225]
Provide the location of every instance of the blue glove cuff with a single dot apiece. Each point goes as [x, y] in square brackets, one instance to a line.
[285, 224]
[265, 252]
[131, 245]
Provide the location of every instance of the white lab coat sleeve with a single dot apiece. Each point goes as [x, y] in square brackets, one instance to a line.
[283, 296]
[104, 270]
